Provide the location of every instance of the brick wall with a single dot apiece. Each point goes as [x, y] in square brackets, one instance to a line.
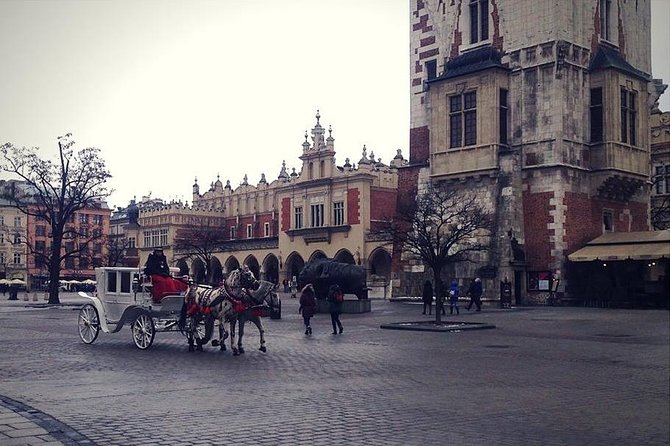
[419, 145]
[286, 214]
[584, 218]
[354, 206]
[538, 236]
[382, 203]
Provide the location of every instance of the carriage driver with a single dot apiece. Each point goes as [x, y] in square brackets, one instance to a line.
[163, 284]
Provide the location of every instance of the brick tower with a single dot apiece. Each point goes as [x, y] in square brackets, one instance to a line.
[542, 107]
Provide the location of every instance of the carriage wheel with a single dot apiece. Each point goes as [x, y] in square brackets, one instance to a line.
[88, 324]
[143, 331]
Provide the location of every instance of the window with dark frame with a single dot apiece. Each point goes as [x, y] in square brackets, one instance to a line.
[628, 117]
[317, 215]
[503, 115]
[596, 112]
[608, 221]
[431, 69]
[338, 213]
[479, 20]
[463, 120]
[662, 179]
[605, 12]
[298, 217]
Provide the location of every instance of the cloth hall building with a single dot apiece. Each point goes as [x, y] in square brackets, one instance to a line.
[274, 227]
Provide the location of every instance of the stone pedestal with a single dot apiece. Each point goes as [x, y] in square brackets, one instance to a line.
[349, 306]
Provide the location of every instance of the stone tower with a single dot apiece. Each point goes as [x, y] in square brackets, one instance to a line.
[542, 107]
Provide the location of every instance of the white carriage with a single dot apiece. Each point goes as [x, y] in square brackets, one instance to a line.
[123, 296]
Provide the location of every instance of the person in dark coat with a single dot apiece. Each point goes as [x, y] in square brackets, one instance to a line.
[163, 284]
[157, 264]
[335, 299]
[427, 297]
[475, 293]
[307, 306]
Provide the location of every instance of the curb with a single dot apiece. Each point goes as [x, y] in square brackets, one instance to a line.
[59, 431]
[450, 327]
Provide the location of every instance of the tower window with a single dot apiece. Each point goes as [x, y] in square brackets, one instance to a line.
[605, 22]
[628, 117]
[596, 114]
[463, 119]
[479, 20]
[608, 221]
[431, 69]
[503, 116]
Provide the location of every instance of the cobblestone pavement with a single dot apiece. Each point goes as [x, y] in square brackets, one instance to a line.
[544, 376]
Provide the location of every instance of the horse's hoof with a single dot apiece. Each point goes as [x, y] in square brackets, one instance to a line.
[241, 350]
[199, 348]
[215, 343]
[235, 353]
[263, 349]
[191, 348]
[223, 348]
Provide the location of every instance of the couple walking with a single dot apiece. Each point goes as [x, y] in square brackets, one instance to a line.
[428, 298]
[308, 307]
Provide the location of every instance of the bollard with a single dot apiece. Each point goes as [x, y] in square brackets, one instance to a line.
[34, 297]
[25, 296]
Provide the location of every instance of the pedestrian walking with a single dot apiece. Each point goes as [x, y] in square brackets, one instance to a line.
[335, 299]
[285, 284]
[427, 297]
[307, 306]
[453, 297]
[475, 292]
[294, 287]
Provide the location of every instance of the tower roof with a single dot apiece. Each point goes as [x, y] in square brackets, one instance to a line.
[607, 57]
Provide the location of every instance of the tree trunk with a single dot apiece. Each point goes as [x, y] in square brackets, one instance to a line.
[54, 272]
[438, 294]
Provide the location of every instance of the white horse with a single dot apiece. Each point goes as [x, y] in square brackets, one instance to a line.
[203, 305]
[260, 297]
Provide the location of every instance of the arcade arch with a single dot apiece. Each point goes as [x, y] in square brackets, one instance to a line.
[344, 256]
[380, 263]
[253, 265]
[198, 271]
[270, 269]
[294, 264]
[215, 271]
[231, 264]
[183, 267]
[318, 254]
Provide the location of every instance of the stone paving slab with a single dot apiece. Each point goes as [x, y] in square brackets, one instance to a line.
[544, 376]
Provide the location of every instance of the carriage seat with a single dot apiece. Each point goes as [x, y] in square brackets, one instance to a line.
[160, 287]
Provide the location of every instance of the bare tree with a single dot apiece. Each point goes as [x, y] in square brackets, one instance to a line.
[116, 250]
[55, 191]
[200, 241]
[441, 227]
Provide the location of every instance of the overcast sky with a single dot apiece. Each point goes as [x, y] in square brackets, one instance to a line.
[174, 90]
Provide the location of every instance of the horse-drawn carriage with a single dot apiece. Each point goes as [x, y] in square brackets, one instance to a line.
[124, 296]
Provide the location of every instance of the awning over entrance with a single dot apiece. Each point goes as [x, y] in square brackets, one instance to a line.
[648, 245]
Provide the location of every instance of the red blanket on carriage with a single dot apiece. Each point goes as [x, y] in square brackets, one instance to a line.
[164, 286]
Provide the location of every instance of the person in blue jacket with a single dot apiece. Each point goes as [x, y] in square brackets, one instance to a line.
[453, 297]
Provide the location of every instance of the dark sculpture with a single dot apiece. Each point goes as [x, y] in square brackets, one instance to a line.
[322, 273]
